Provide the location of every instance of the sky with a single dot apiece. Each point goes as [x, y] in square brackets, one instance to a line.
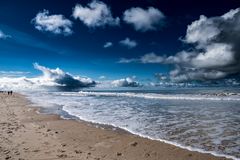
[125, 43]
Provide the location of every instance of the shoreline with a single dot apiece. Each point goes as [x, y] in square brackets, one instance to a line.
[82, 139]
[114, 128]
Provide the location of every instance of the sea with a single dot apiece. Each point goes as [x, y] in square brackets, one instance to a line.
[198, 119]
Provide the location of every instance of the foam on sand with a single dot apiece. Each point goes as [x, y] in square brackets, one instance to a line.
[200, 122]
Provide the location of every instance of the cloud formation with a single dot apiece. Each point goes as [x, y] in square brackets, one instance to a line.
[56, 24]
[214, 52]
[102, 77]
[12, 73]
[3, 35]
[50, 79]
[144, 19]
[151, 58]
[128, 43]
[95, 14]
[147, 58]
[217, 49]
[108, 44]
[125, 82]
[125, 60]
[62, 79]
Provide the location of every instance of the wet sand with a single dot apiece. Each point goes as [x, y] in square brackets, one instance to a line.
[26, 135]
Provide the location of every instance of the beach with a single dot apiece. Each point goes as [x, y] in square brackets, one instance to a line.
[26, 134]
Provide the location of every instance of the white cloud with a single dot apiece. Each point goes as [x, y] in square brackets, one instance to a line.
[231, 14]
[50, 79]
[216, 55]
[201, 31]
[128, 43]
[95, 14]
[185, 74]
[125, 82]
[214, 52]
[3, 35]
[147, 58]
[56, 24]
[12, 73]
[161, 77]
[125, 60]
[102, 77]
[62, 79]
[151, 58]
[144, 20]
[108, 44]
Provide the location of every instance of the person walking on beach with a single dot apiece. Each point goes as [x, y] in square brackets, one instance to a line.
[10, 92]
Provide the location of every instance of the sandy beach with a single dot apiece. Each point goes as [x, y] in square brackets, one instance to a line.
[27, 135]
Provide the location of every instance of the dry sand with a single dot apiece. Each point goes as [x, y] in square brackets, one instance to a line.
[24, 134]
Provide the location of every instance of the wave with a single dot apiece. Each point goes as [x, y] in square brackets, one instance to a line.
[144, 115]
[151, 138]
[214, 97]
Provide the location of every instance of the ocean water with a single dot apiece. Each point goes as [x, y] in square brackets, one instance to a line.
[205, 120]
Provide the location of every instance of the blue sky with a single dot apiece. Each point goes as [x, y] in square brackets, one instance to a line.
[141, 37]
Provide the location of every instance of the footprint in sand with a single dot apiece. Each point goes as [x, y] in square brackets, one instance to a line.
[62, 151]
[63, 145]
[78, 151]
[6, 151]
[36, 150]
[134, 144]
[119, 154]
[62, 156]
[147, 155]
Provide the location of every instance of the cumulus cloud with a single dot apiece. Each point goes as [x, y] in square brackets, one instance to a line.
[56, 24]
[108, 44]
[62, 79]
[144, 19]
[50, 79]
[95, 14]
[128, 43]
[214, 52]
[126, 82]
[3, 35]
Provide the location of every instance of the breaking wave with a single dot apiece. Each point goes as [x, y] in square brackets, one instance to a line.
[215, 97]
[206, 122]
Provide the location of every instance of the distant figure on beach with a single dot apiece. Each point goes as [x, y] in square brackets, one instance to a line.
[10, 92]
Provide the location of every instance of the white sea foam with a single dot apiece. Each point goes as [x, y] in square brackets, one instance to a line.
[170, 118]
[149, 137]
[216, 97]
